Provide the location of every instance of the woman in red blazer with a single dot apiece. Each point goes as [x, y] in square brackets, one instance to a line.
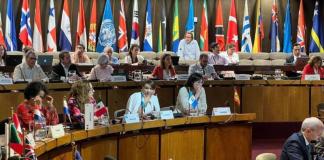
[165, 70]
[314, 66]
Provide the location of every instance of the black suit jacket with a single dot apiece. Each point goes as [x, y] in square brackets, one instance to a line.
[294, 148]
[58, 71]
[290, 59]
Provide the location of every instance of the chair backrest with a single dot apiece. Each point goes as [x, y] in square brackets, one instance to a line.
[243, 55]
[119, 113]
[278, 55]
[114, 54]
[160, 54]
[261, 62]
[316, 54]
[187, 62]
[55, 54]
[278, 62]
[148, 55]
[15, 53]
[266, 156]
[260, 55]
[205, 52]
[122, 55]
[93, 55]
[245, 62]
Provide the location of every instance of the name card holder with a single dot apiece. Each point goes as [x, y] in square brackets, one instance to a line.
[182, 77]
[312, 77]
[131, 118]
[6, 81]
[242, 77]
[166, 114]
[56, 131]
[88, 116]
[220, 111]
[118, 78]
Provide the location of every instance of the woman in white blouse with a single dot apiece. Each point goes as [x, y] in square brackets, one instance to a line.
[191, 99]
[145, 102]
[102, 71]
[230, 56]
[133, 57]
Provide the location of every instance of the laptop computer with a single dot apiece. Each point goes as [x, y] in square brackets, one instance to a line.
[13, 60]
[301, 61]
[175, 60]
[45, 60]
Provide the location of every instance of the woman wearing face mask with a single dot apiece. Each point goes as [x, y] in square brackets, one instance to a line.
[144, 102]
[192, 96]
[37, 98]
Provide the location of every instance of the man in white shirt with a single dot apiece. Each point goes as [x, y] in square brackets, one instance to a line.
[188, 48]
[230, 56]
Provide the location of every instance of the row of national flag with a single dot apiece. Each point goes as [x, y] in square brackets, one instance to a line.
[107, 34]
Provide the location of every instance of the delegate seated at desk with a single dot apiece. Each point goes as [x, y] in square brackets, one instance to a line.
[314, 66]
[79, 56]
[165, 70]
[192, 96]
[296, 54]
[230, 56]
[63, 68]
[188, 48]
[214, 57]
[202, 67]
[108, 51]
[133, 57]
[144, 102]
[102, 71]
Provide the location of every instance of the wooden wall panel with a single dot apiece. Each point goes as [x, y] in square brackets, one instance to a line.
[99, 148]
[317, 97]
[183, 144]
[229, 142]
[62, 153]
[8, 100]
[218, 96]
[117, 99]
[139, 147]
[274, 103]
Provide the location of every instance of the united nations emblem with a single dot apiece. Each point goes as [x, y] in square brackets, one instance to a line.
[107, 36]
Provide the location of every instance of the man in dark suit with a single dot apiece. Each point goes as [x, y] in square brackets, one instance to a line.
[63, 68]
[298, 146]
[296, 54]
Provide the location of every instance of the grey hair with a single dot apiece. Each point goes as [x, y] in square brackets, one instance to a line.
[312, 123]
[103, 59]
[108, 48]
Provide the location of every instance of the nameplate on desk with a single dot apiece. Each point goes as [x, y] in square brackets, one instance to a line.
[312, 77]
[5, 81]
[182, 76]
[166, 114]
[242, 77]
[218, 111]
[88, 116]
[56, 131]
[118, 78]
[131, 118]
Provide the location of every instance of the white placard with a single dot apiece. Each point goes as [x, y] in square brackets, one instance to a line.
[182, 76]
[131, 118]
[5, 81]
[88, 116]
[166, 114]
[56, 131]
[312, 77]
[242, 77]
[31, 139]
[118, 78]
[221, 111]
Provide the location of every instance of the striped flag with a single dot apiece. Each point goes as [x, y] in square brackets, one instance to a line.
[65, 41]
[51, 30]
[29, 150]
[81, 35]
[301, 28]
[219, 27]
[122, 38]
[10, 32]
[175, 28]
[37, 36]
[287, 45]
[190, 24]
[317, 34]
[259, 32]
[2, 41]
[25, 27]
[148, 38]
[162, 46]
[107, 34]
[135, 27]
[93, 28]
[275, 43]
[204, 29]
[232, 36]
[66, 110]
[246, 44]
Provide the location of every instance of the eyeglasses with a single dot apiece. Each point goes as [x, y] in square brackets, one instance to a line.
[33, 58]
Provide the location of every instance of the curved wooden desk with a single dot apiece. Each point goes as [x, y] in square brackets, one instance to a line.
[215, 137]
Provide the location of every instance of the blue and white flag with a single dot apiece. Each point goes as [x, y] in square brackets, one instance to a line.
[10, 32]
[148, 44]
[193, 101]
[275, 43]
[190, 25]
[66, 110]
[107, 34]
[38, 115]
[65, 41]
[246, 33]
[287, 44]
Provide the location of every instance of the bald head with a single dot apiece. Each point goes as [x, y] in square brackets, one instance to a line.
[312, 128]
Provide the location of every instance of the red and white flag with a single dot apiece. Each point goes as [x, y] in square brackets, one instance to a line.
[204, 29]
[25, 27]
[301, 28]
[93, 28]
[51, 31]
[232, 36]
[135, 26]
[219, 27]
[81, 37]
[122, 37]
[37, 36]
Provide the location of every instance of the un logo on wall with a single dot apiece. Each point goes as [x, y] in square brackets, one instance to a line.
[107, 36]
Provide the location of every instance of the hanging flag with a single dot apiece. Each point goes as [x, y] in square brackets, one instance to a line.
[162, 46]
[37, 36]
[246, 44]
[107, 34]
[81, 35]
[204, 29]
[259, 32]
[2, 41]
[275, 43]
[287, 45]
[232, 36]
[25, 27]
[317, 37]
[219, 27]
[135, 26]
[93, 28]
[15, 141]
[301, 28]
[175, 28]
[190, 24]
[65, 41]
[148, 38]
[122, 38]
[10, 32]
[51, 30]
